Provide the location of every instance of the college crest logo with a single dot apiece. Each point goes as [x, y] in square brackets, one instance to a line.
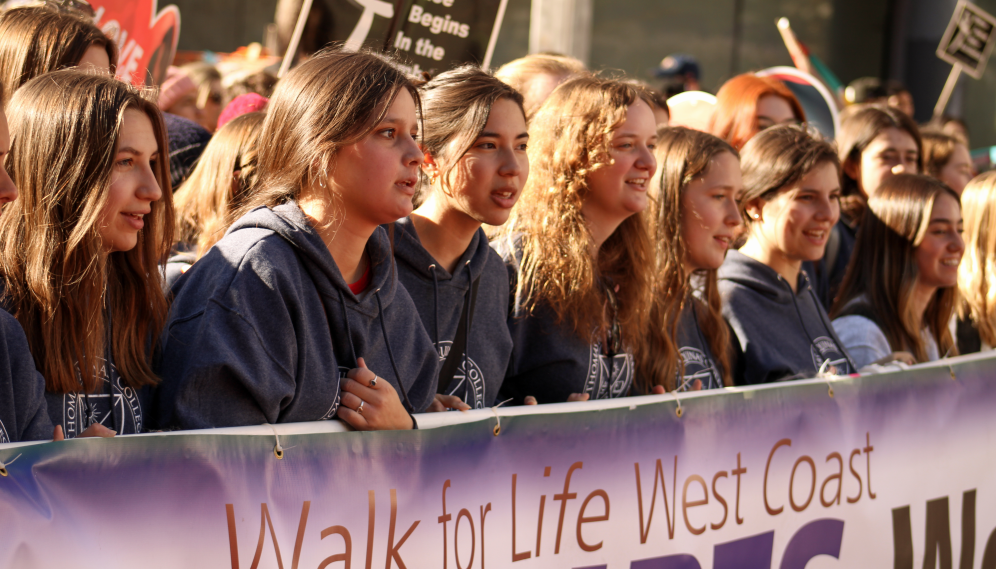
[608, 378]
[823, 349]
[115, 406]
[468, 382]
[698, 366]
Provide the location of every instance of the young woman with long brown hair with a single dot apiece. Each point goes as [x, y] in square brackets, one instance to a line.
[80, 249]
[694, 218]
[303, 285]
[35, 40]
[578, 245]
[874, 143]
[977, 272]
[790, 203]
[217, 187]
[474, 139]
[748, 104]
[900, 290]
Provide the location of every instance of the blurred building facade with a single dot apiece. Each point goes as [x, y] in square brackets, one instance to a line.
[856, 38]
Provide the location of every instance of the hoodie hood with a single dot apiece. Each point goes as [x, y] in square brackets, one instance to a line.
[440, 298]
[288, 221]
[782, 334]
[263, 328]
[408, 250]
[758, 277]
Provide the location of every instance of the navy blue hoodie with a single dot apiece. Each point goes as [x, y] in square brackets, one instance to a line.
[114, 405]
[781, 334]
[263, 326]
[23, 413]
[695, 351]
[440, 298]
[550, 361]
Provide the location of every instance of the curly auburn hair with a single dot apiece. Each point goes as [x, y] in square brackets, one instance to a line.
[570, 138]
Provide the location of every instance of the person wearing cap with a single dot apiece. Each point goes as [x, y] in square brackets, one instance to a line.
[680, 73]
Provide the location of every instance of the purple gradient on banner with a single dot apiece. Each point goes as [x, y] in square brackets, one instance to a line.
[822, 537]
[752, 552]
[165, 498]
[667, 562]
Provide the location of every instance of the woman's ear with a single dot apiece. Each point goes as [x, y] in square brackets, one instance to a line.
[429, 166]
[755, 209]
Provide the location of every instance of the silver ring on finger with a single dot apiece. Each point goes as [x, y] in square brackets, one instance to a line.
[359, 409]
[373, 382]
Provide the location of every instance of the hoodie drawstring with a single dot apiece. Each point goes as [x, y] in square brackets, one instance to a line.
[798, 312]
[435, 303]
[390, 353]
[829, 328]
[466, 330]
[349, 331]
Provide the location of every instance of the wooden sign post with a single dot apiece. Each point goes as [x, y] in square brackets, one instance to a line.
[966, 45]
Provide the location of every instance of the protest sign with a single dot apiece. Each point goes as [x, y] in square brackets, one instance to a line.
[146, 37]
[966, 45]
[425, 34]
[877, 471]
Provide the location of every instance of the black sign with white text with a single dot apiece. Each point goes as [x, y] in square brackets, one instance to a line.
[426, 35]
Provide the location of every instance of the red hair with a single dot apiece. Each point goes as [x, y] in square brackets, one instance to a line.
[735, 118]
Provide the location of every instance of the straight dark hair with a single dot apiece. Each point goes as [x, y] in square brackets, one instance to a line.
[857, 131]
[35, 40]
[59, 283]
[884, 270]
[330, 101]
[780, 156]
[455, 108]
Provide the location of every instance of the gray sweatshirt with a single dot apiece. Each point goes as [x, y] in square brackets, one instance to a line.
[263, 327]
[695, 351]
[781, 334]
[550, 361]
[440, 298]
[23, 412]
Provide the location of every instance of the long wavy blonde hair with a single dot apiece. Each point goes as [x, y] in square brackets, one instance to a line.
[59, 283]
[683, 155]
[219, 183]
[570, 138]
[977, 272]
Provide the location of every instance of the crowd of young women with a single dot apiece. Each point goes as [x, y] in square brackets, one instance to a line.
[371, 247]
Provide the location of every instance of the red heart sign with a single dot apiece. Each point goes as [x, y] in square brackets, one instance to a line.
[146, 37]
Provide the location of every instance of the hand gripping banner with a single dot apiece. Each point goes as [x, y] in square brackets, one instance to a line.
[891, 470]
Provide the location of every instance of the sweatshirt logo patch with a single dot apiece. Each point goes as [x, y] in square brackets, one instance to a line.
[468, 380]
[698, 366]
[608, 378]
[330, 414]
[3, 434]
[113, 404]
[823, 349]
